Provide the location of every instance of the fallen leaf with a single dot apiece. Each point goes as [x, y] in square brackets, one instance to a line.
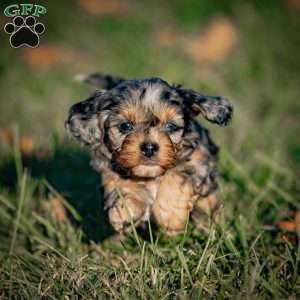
[293, 4]
[47, 57]
[104, 7]
[287, 225]
[7, 136]
[42, 58]
[290, 225]
[215, 44]
[57, 209]
[27, 144]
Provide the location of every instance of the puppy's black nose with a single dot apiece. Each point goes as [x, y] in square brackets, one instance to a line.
[149, 149]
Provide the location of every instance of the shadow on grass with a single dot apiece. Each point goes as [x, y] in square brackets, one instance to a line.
[69, 172]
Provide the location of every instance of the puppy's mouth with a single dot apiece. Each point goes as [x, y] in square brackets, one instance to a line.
[148, 170]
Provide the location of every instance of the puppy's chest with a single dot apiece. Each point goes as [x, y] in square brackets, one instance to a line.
[151, 186]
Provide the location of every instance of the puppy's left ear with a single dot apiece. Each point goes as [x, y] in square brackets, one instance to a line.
[86, 120]
[213, 108]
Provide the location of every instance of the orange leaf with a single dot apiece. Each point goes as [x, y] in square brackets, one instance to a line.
[27, 144]
[103, 7]
[46, 57]
[42, 58]
[58, 209]
[7, 136]
[215, 44]
[287, 225]
[293, 4]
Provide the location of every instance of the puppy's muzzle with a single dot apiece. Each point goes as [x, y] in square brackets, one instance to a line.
[149, 149]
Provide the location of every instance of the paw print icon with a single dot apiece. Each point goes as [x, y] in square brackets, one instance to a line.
[24, 31]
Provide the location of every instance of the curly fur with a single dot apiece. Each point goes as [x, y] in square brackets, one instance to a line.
[163, 162]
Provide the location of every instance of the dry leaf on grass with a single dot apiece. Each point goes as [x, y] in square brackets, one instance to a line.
[46, 57]
[6, 135]
[57, 209]
[292, 4]
[290, 225]
[287, 225]
[104, 7]
[27, 145]
[26, 142]
[42, 58]
[214, 44]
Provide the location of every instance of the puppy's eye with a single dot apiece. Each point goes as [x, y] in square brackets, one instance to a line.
[171, 127]
[126, 127]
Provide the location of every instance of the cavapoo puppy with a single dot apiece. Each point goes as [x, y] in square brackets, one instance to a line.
[155, 159]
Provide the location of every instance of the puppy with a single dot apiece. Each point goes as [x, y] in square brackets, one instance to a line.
[155, 159]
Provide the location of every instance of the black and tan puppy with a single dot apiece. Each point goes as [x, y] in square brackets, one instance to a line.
[155, 159]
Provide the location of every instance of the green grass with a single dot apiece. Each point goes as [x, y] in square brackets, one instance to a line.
[43, 258]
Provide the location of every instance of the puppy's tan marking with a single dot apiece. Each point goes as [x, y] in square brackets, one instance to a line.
[130, 155]
[134, 112]
[166, 113]
[173, 204]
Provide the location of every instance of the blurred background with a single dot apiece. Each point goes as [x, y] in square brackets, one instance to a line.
[247, 51]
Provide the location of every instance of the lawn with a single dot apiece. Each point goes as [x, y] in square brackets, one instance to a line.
[55, 242]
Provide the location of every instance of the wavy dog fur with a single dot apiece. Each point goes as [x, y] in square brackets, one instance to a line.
[148, 147]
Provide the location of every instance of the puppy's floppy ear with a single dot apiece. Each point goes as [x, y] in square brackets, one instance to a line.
[86, 119]
[213, 108]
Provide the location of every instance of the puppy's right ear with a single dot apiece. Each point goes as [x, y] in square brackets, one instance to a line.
[86, 120]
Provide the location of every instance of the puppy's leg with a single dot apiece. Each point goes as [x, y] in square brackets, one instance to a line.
[208, 205]
[128, 210]
[207, 211]
[201, 171]
[173, 203]
[127, 204]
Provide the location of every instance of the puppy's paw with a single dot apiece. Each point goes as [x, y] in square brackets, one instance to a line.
[173, 203]
[126, 211]
[207, 211]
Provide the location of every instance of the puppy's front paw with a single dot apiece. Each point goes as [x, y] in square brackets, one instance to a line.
[126, 211]
[173, 203]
